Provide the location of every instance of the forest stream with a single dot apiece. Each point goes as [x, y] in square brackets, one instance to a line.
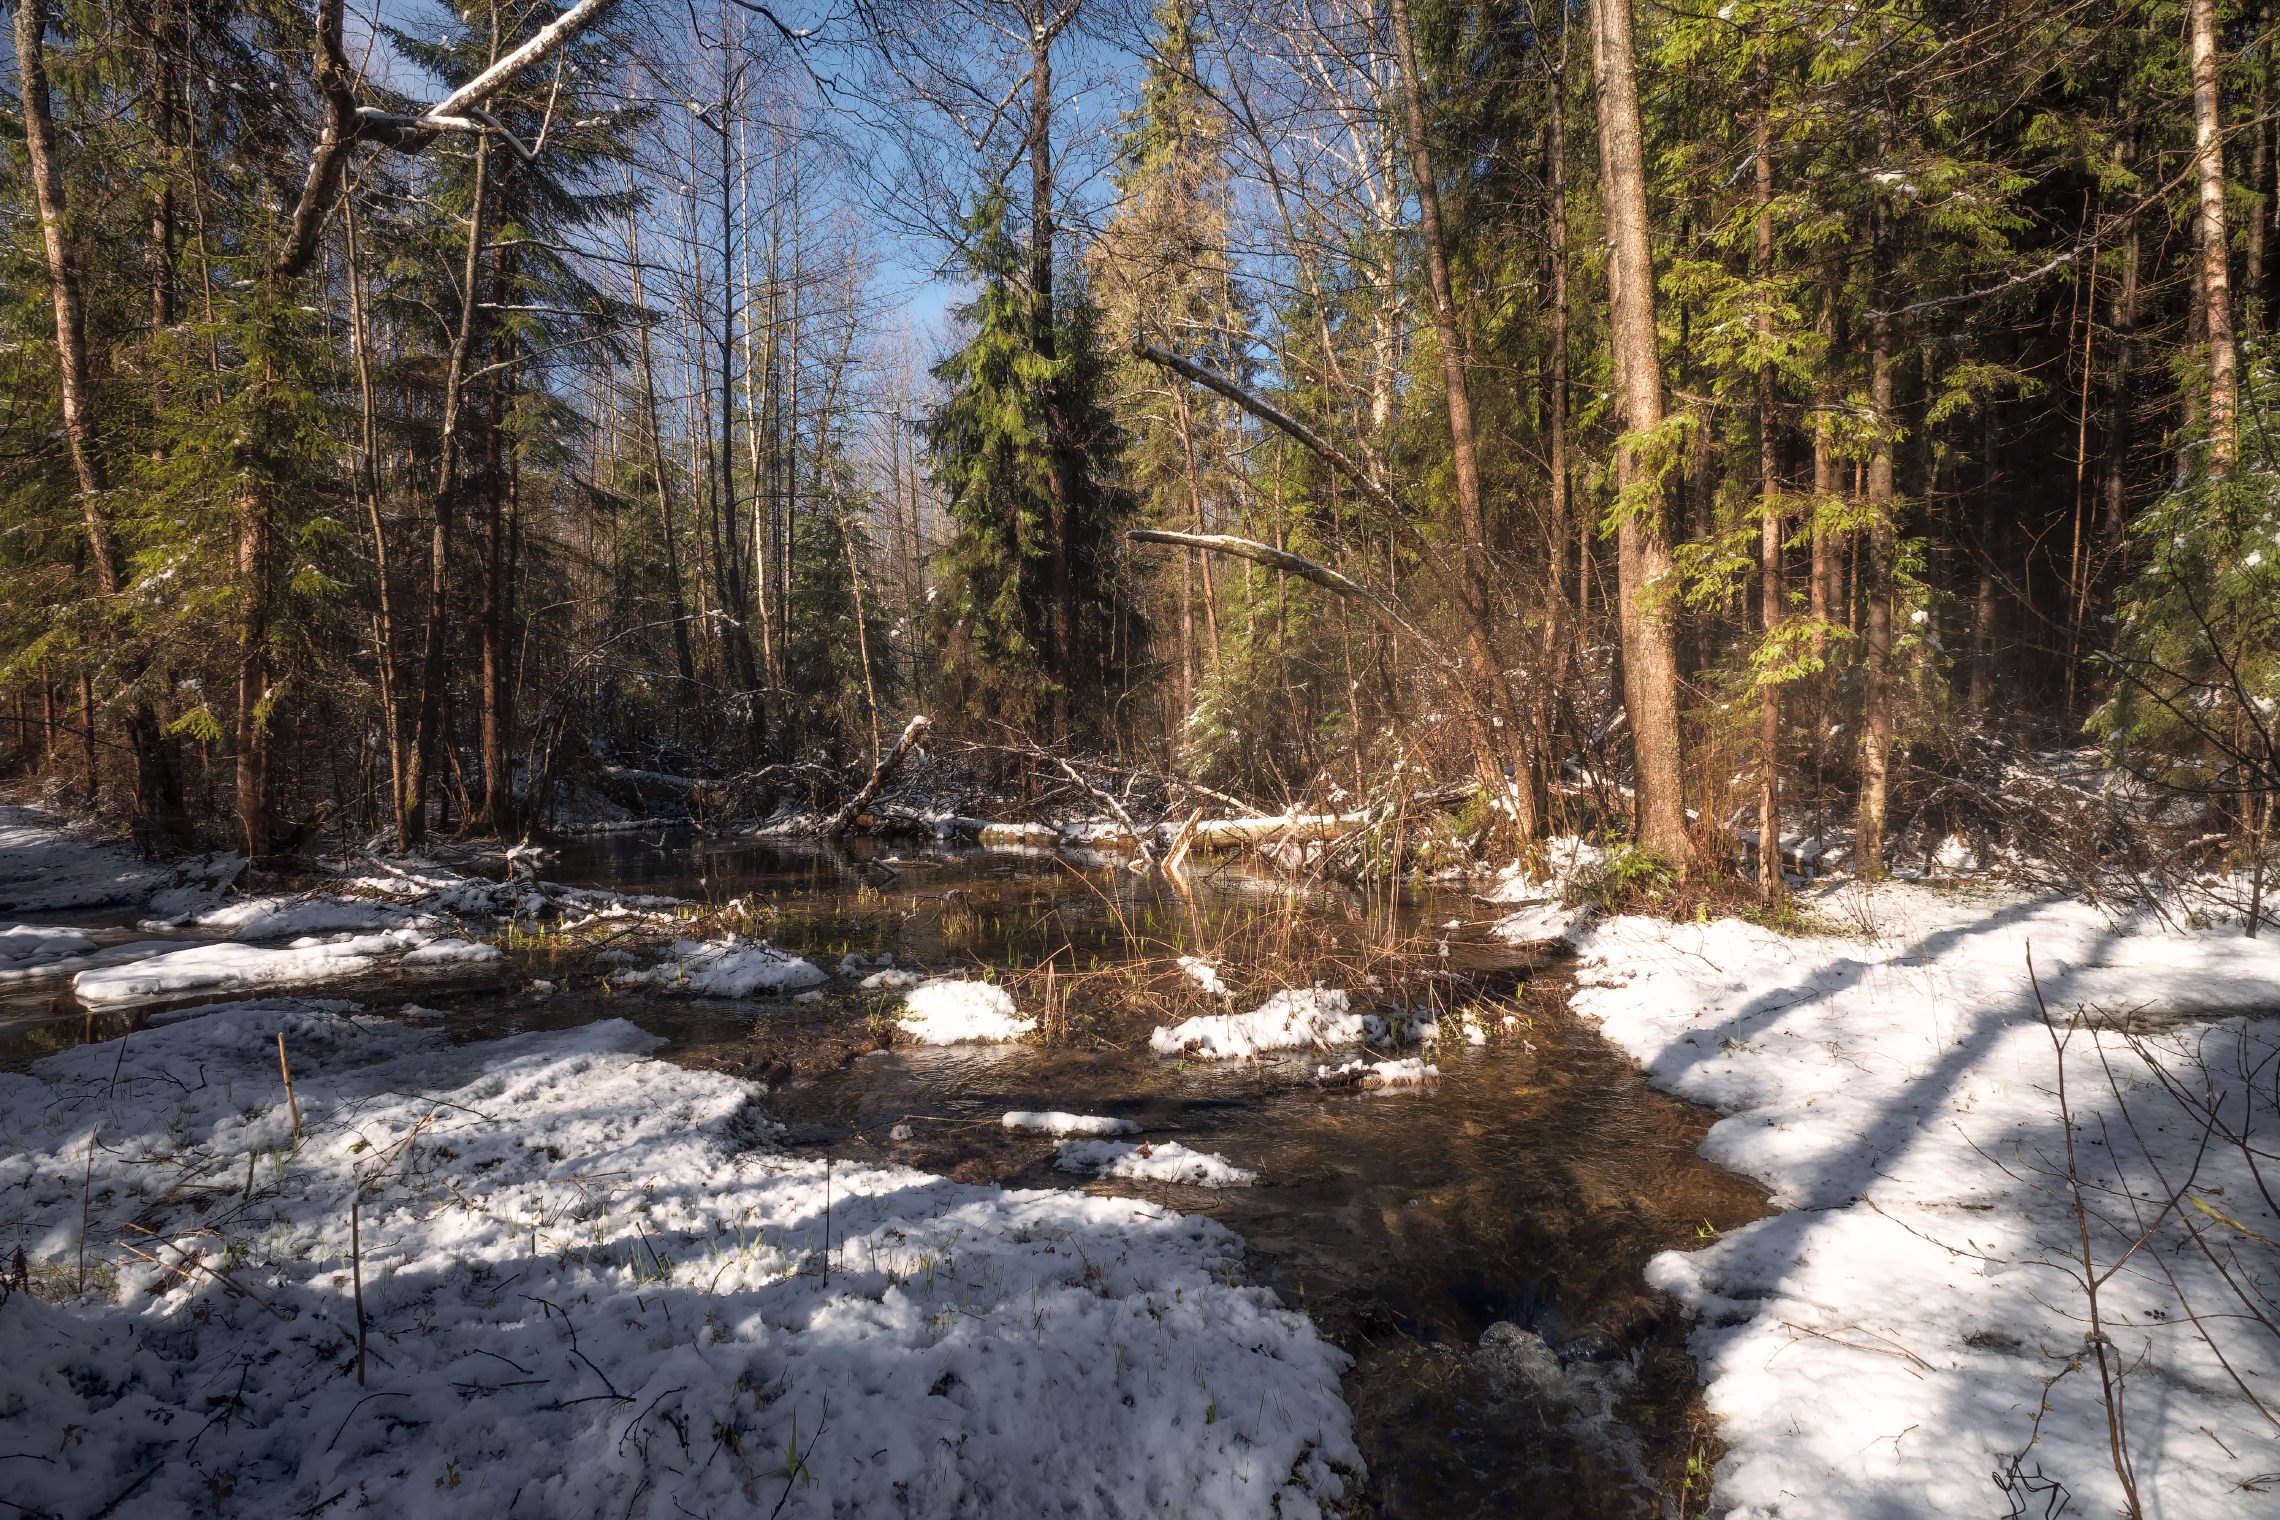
[1477, 1244]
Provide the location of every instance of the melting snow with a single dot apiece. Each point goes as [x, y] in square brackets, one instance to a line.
[947, 1011]
[1054, 1122]
[1290, 1020]
[1165, 1161]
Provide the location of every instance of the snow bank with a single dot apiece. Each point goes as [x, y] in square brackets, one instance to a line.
[1054, 1122]
[947, 1011]
[587, 1293]
[1539, 924]
[239, 968]
[1166, 1161]
[1886, 1348]
[26, 946]
[1290, 1020]
[729, 968]
[297, 914]
[46, 866]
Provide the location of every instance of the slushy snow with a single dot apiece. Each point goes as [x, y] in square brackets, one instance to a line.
[1885, 1347]
[591, 1287]
[1055, 1122]
[729, 968]
[1294, 1019]
[949, 1011]
[228, 967]
[1165, 1161]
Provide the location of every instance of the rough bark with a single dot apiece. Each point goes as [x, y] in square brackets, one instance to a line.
[1769, 507]
[1643, 558]
[1876, 654]
[160, 818]
[251, 738]
[1060, 592]
[2118, 419]
[2215, 251]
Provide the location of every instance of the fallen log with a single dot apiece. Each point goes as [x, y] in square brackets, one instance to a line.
[892, 760]
[1290, 828]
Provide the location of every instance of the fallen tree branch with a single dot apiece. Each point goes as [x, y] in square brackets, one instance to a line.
[1306, 569]
[888, 764]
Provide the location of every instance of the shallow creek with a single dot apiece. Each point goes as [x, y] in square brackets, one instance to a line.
[1527, 1187]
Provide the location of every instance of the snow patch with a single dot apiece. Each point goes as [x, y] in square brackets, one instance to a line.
[1055, 1122]
[949, 1011]
[728, 968]
[1293, 1019]
[1165, 1161]
[240, 968]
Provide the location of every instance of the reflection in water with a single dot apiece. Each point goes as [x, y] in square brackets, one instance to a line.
[1524, 1191]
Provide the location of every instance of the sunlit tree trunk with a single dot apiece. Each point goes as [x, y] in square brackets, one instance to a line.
[2216, 248]
[1876, 653]
[1643, 558]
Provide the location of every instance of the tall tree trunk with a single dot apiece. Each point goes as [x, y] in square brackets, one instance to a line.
[1769, 505]
[1464, 457]
[677, 603]
[2216, 250]
[738, 632]
[1563, 602]
[160, 818]
[384, 636]
[1643, 558]
[498, 788]
[1982, 690]
[1060, 593]
[428, 721]
[2259, 168]
[2118, 419]
[251, 739]
[1876, 655]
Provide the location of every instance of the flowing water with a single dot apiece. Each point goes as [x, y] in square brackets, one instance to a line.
[1478, 1245]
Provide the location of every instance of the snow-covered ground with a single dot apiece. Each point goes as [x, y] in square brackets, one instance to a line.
[1912, 1331]
[46, 867]
[591, 1285]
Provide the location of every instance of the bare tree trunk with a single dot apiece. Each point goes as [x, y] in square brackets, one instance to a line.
[1464, 457]
[2216, 289]
[1643, 559]
[1559, 618]
[427, 723]
[677, 603]
[1769, 507]
[1982, 690]
[368, 487]
[1060, 593]
[159, 814]
[2259, 64]
[498, 788]
[1876, 656]
[2118, 419]
[253, 732]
